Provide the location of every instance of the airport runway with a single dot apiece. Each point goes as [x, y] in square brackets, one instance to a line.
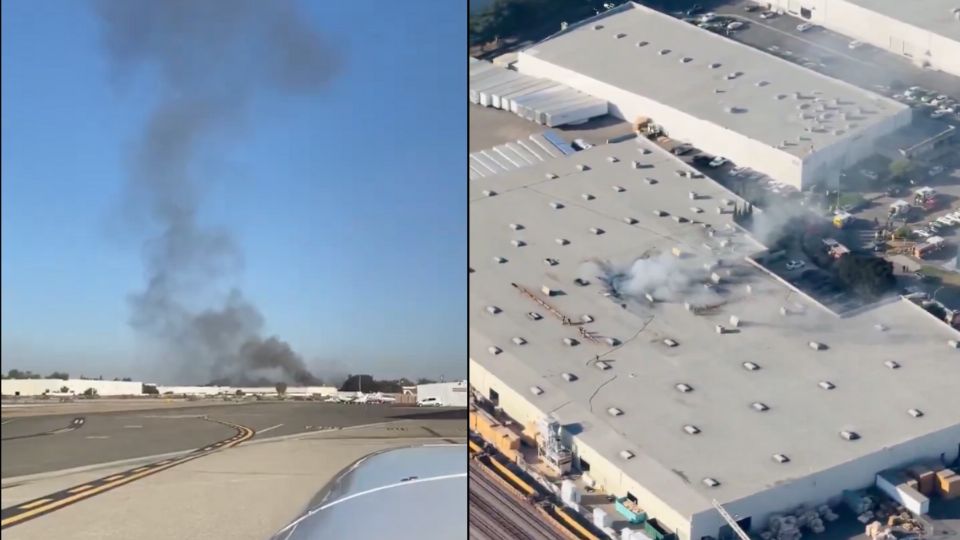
[39, 444]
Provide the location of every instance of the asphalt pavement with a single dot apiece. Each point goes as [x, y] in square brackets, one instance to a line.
[41, 444]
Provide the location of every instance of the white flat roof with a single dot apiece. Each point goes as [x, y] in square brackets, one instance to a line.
[768, 95]
[933, 15]
[736, 442]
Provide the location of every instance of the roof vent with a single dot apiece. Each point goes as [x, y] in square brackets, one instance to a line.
[619, 189]
[780, 458]
[570, 342]
[691, 429]
[849, 435]
[488, 193]
[518, 243]
[493, 310]
[562, 241]
[569, 377]
[596, 230]
[613, 411]
[817, 346]
[670, 343]
[494, 350]
[750, 366]
[710, 482]
[626, 454]
[891, 364]
[619, 35]
[759, 407]
[629, 220]
[556, 205]
[826, 385]
[663, 52]
[642, 43]
[583, 167]
[602, 366]
[683, 387]
[916, 413]
[499, 260]
[587, 197]
[536, 390]
[516, 226]
[519, 341]
[534, 316]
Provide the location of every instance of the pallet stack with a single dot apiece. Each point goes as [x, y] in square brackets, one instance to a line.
[947, 484]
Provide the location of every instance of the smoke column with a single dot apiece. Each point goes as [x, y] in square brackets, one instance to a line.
[210, 58]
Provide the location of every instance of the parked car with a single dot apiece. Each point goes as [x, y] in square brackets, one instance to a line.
[750, 8]
[735, 25]
[946, 220]
[935, 170]
[803, 27]
[854, 45]
[768, 15]
[682, 149]
[717, 162]
[795, 265]
[702, 159]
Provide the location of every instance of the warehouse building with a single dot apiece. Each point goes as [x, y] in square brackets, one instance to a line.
[793, 124]
[38, 387]
[925, 31]
[447, 394]
[614, 295]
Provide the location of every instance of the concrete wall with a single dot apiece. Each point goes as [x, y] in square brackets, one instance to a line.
[705, 135]
[819, 487]
[451, 394]
[36, 387]
[859, 23]
[607, 475]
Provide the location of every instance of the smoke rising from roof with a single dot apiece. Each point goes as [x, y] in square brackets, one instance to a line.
[211, 58]
[665, 277]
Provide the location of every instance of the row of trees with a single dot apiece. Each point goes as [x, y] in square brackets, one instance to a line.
[27, 374]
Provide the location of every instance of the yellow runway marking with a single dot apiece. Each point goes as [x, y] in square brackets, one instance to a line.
[35, 504]
[80, 488]
[140, 469]
[112, 478]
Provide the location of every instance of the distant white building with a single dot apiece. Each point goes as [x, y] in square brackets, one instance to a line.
[39, 387]
[448, 394]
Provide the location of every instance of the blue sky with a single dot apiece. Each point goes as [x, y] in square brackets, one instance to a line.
[349, 206]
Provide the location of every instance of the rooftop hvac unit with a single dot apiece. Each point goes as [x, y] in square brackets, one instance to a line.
[880, 327]
[569, 377]
[533, 315]
[849, 435]
[649, 297]
[916, 413]
[586, 318]
[953, 343]
[692, 195]
[629, 220]
[685, 60]
[891, 364]
[626, 454]
[611, 341]
[562, 241]
[488, 193]
[613, 411]
[493, 310]
[613, 159]
[602, 366]
[710, 482]
[494, 350]
[619, 35]
[817, 346]
[683, 387]
[570, 342]
[720, 329]
[587, 197]
[556, 205]
[619, 189]
[696, 209]
[663, 52]
[713, 65]
[750, 366]
[780, 458]
[759, 407]
[650, 181]
[659, 213]
[596, 230]
[734, 321]
[826, 385]
[499, 260]
[536, 390]
[550, 261]
[519, 341]
[551, 176]
[518, 243]
[547, 290]
[670, 343]
[582, 167]
[691, 429]
[635, 164]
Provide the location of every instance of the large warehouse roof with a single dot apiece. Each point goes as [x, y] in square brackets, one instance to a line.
[934, 15]
[707, 76]
[567, 218]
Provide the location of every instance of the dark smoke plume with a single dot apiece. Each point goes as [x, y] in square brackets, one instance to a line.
[211, 58]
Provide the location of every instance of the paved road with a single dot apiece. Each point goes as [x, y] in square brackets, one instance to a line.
[48, 443]
[496, 514]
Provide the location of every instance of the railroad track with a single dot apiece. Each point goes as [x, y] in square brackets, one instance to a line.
[496, 514]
